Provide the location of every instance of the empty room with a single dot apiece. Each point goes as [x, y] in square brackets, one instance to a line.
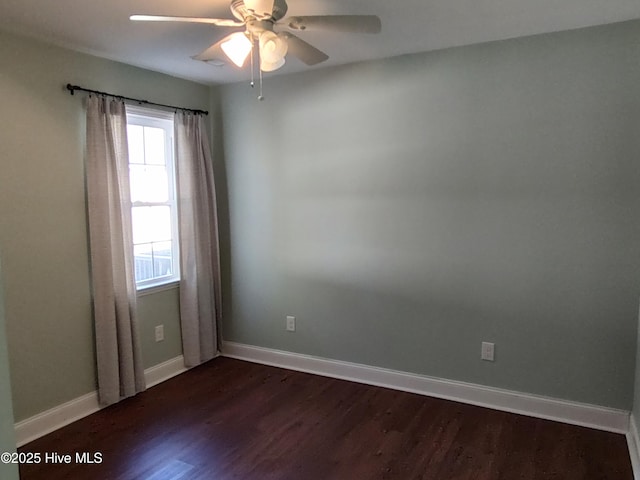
[319, 239]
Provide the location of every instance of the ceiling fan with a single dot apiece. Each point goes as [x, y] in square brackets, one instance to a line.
[259, 19]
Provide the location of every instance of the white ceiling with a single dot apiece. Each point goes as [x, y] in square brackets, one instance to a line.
[103, 28]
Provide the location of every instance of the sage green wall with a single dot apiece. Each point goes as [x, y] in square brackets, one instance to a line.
[406, 210]
[43, 233]
[161, 308]
[7, 438]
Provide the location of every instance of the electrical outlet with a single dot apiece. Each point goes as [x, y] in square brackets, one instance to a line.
[291, 323]
[488, 351]
[159, 333]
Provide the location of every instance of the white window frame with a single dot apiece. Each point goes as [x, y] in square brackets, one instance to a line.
[165, 120]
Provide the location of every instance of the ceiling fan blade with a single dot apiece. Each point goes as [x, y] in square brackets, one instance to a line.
[303, 50]
[337, 23]
[214, 53]
[260, 7]
[220, 22]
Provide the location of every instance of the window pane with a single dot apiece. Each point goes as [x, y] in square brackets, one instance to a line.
[154, 145]
[135, 138]
[162, 259]
[153, 197]
[151, 224]
[149, 183]
[143, 258]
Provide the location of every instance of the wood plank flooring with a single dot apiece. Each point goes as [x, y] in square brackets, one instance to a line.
[229, 419]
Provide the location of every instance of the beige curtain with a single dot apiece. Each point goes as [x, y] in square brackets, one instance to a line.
[120, 371]
[200, 299]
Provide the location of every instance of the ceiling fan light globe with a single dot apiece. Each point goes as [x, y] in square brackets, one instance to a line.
[271, 66]
[273, 47]
[237, 48]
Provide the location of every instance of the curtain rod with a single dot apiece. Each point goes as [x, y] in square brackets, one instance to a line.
[73, 88]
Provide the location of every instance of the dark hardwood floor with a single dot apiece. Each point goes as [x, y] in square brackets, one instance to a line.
[235, 420]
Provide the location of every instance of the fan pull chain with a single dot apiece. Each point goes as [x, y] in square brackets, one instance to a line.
[252, 70]
[260, 97]
[253, 83]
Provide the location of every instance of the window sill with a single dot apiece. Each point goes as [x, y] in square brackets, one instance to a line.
[151, 289]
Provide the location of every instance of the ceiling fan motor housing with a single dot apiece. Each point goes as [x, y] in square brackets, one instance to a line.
[257, 27]
[240, 11]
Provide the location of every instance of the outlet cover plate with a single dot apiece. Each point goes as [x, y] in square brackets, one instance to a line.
[488, 351]
[291, 323]
[159, 333]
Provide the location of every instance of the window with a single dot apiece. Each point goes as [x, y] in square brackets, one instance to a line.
[153, 197]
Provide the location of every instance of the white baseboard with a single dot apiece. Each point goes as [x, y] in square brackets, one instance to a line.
[57, 417]
[633, 441]
[592, 416]
[574, 413]
[164, 371]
